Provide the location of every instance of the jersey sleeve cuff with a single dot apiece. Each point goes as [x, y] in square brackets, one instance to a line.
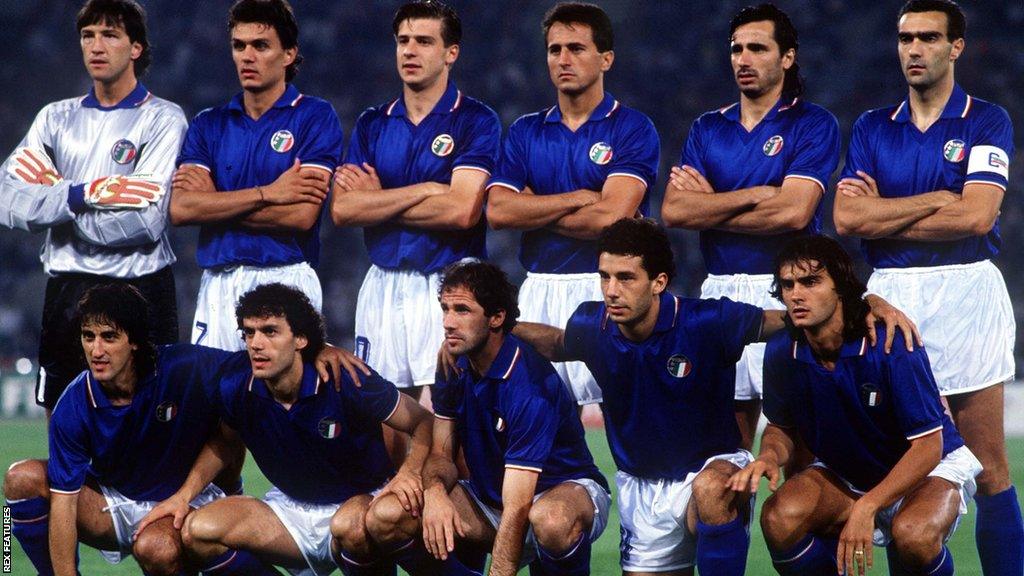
[925, 432]
[443, 416]
[809, 178]
[471, 167]
[196, 164]
[980, 179]
[511, 187]
[630, 175]
[519, 465]
[318, 167]
[68, 492]
[398, 402]
[76, 198]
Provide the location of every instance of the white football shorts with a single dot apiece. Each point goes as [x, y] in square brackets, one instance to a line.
[551, 299]
[749, 289]
[655, 537]
[964, 314]
[215, 324]
[310, 528]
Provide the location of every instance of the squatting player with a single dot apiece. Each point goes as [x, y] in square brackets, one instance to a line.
[72, 175]
[891, 468]
[923, 185]
[254, 174]
[752, 176]
[568, 171]
[534, 495]
[319, 444]
[414, 178]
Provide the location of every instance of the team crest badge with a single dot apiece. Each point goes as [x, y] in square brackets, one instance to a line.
[166, 411]
[282, 141]
[328, 428]
[442, 145]
[772, 146]
[679, 366]
[123, 152]
[870, 395]
[601, 153]
[954, 150]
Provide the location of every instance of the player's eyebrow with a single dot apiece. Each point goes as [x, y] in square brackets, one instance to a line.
[925, 35]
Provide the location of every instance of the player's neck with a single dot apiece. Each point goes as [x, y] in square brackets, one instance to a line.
[258, 102]
[753, 110]
[420, 101]
[481, 360]
[577, 108]
[121, 389]
[927, 103]
[285, 387]
[643, 328]
[826, 339]
[110, 93]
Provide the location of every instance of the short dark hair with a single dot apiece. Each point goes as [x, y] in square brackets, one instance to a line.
[784, 35]
[451, 26]
[641, 237]
[490, 287]
[276, 299]
[956, 22]
[569, 13]
[823, 253]
[277, 14]
[127, 14]
[122, 306]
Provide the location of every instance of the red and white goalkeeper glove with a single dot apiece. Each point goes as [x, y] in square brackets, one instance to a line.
[115, 192]
[33, 166]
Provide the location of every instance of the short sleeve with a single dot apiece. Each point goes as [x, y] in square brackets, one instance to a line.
[582, 331]
[693, 151]
[774, 375]
[321, 138]
[194, 149]
[482, 141]
[512, 170]
[532, 421]
[859, 155]
[915, 395]
[817, 149]
[359, 144]
[445, 396]
[991, 149]
[69, 452]
[638, 153]
[738, 324]
[375, 398]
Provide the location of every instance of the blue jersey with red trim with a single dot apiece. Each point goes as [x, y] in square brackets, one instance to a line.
[543, 154]
[971, 142]
[796, 139]
[240, 153]
[460, 133]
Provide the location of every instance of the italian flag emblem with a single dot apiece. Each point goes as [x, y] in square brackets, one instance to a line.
[773, 146]
[166, 411]
[442, 145]
[329, 428]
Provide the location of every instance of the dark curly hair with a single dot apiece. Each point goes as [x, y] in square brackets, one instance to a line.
[785, 36]
[641, 237]
[277, 14]
[122, 306]
[277, 299]
[127, 14]
[489, 285]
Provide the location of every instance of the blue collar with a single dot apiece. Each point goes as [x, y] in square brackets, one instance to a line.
[289, 99]
[668, 315]
[732, 111]
[850, 349]
[449, 102]
[958, 105]
[134, 99]
[98, 397]
[608, 106]
[504, 362]
[311, 384]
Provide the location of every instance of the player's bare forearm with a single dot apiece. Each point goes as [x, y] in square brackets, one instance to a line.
[788, 211]
[223, 448]
[620, 198]
[771, 322]
[287, 218]
[973, 215]
[195, 207]
[917, 462]
[439, 471]
[517, 492]
[698, 210]
[63, 533]
[876, 217]
[459, 208]
[507, 209]
[549, 341]
[777, 444]
[416, 421]
[372, 207]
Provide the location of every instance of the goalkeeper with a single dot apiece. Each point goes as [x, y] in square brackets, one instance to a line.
[92, 172]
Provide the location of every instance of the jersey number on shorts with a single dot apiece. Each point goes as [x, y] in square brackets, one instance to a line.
[202, 327]
[362, 347]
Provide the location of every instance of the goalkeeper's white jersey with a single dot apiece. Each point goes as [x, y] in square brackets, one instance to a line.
[140, 135]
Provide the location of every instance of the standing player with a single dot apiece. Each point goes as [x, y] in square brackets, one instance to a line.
[890, 467]
[74, 175]
[567, 172]
[752, 176]
[533, 493]
[254, 174]
[414, 177]
[318, 443]
[922, 185]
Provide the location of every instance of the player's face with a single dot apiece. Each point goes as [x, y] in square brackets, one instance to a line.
[260, 60]
[574, 63]
[628, 289]
[810, 296]
[420, 52]
[108, 353]
[757, 63]
[926, 53]
[274, 350]
[466, 326]
[108, 52]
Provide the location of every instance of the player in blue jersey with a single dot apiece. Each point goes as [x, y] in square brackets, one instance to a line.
[92, 172]
[319, 444]
[568, 171]
[923, 185]
[414, 178]
[534, 495]
[752, 176]
[122, 438]
[890, 467]
[254, 174]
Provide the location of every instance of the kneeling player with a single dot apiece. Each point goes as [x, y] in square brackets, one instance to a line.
[891, 467]
[534, 494]
[318, 443]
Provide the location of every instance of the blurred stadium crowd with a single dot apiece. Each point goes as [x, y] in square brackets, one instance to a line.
[672, 63]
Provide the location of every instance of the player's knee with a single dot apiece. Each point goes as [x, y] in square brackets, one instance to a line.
[917, 540]
[383, 519]
[200, 527]
[348, 527]
[710, 489]
[25, 479]
[158, 553]
[994, 479]
[781, 517]
[556, 524]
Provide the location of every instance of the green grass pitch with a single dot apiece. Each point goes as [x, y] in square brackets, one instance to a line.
[27, 439]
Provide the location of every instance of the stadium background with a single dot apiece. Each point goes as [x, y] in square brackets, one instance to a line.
[672, 63]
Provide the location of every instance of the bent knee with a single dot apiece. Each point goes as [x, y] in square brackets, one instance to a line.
[382, 520]
[26, 479]
[782, 516]
[158, 553]
[556, 525]
[200, 527]
[917, 540]
[711, 485]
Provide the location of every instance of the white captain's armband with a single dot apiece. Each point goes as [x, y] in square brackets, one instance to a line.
[989, 159]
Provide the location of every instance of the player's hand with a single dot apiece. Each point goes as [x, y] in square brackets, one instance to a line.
[175, 507]
[115, 192]
[746, 480]
[350, 177]
[855, 554]
[688, 178]
[298, 186]
[446, 365]
[33, 166]
[584, 198]
[330, 362]
[441, 523]
[407, 486]
[854, 187]
[190, 178]
[894, 320]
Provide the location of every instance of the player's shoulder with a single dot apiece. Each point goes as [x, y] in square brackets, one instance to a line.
[878, 116]
[313, 105]
[811, 112]
[470, 106]
[162, 106]
[983, 110]
[779, 347]
[236, 373]
[629, 115]
[192, 356]
[70, 403]
[63, 106]
[590, 312]
[527, 369]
